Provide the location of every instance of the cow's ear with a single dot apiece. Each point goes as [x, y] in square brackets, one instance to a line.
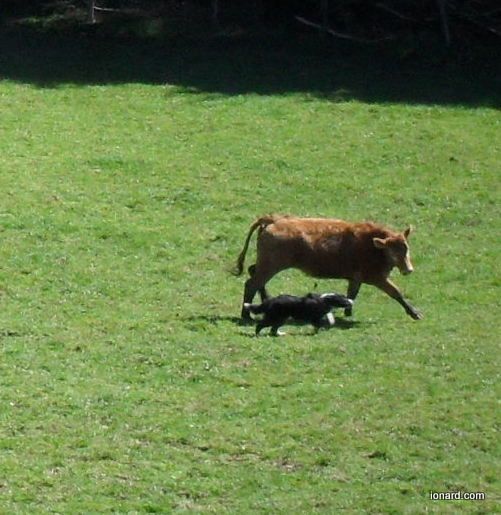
[407, 232]
[379, 243]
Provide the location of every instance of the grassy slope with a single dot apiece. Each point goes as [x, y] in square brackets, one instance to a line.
[126, 383]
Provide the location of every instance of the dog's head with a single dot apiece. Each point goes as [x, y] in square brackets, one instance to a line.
[336, 300]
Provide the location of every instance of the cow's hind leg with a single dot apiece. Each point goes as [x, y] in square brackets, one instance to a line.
[262, 291]
[255, 283]
[353, 289]
[250, 290]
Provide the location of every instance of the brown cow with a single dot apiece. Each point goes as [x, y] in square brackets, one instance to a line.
[362, 252]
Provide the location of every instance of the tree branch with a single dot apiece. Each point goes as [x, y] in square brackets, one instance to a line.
[444, 21]
[395, 13]
[339, 34]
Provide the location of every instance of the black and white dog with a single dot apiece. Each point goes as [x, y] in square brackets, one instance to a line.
[311, 308]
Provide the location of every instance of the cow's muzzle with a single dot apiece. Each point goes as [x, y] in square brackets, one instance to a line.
[406, 269]
[405, 265]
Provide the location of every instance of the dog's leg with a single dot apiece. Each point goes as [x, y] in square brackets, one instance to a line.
[318, 324]
[275, 329]
[261, 325]
[331, 319]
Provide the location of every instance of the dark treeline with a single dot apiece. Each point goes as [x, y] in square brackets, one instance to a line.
[359, 20]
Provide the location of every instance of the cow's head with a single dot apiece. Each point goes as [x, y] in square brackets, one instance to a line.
[397, 250]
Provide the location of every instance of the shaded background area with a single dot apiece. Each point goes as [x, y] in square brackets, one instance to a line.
[49, 45]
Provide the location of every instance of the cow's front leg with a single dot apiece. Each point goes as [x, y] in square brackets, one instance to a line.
[390, 289]
[353, 289]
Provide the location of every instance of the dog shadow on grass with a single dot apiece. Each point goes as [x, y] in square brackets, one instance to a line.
[217, 319]
[342, 324]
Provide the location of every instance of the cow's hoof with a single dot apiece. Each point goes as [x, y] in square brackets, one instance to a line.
[246, 319]
[416, 315]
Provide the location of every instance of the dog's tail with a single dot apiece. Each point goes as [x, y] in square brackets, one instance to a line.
[255, 309]
[261, 222]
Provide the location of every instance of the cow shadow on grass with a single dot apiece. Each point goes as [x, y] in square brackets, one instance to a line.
[263, 64]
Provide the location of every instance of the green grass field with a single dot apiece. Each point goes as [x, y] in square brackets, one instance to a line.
[129, 179]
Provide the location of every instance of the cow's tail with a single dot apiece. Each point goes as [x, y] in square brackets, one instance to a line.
[260, 223]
